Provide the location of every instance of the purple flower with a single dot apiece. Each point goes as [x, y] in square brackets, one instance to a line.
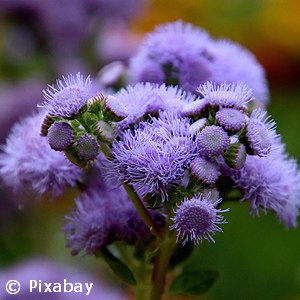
[60, 136]
[235, 95]
[205, 170]
[68, 96]
[174, 51]
[103, 215]
[134, 102]
[88, 227]
[28, 161]
[212, 141]
[261, 132]
[271, 182]
[231, 119]
[180, 54]
[234, 63]
[197, 219]
[154, 156]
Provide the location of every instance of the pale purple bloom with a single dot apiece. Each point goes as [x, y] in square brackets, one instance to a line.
[205, 170]
[180, 54]
[154, 156]
[271, 183]
[28, 161]
[235, 95]
[67, 97]
[231, 119]
[197, 219]
[87, 147]
[134, 102]
[174, 51]
[212, 141]
[103, 215]
[261, 132]
[60, 136]
[233, 63]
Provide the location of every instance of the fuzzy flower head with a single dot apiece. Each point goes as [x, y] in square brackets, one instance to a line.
[136, 101]
[87, 228]
[68, 96]
[205, 170]
[60, 136]
[234, 63]
[175, 54]
[235, 95]
[212, 141]
[231, 119]
[261, 132]
[197, 219]
[103, 215]
[154, 156]
[271, 183]
[28, 161]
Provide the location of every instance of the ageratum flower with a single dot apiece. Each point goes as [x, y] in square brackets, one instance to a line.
[173, 53]
[234, 63]
[212, 141]
[231, 119]
[205, 170]
[154, 156]
[136, 101]
[179, 53]
[261, 132]
[68, 96]
[197, 219]
[28, 161]
[102, 216]
[271, 183]
[235, 95]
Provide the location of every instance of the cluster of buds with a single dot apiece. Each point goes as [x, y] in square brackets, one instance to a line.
[82, 134]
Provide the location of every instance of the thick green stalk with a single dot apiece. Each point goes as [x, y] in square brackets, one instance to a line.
[161, 265]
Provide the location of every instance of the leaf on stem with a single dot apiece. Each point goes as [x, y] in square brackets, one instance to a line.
[119, 268]
[193, 282]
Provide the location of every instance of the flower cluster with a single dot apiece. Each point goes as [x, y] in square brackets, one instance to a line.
[181, 54]
[102, 216]
[171, 140]
[29, 163]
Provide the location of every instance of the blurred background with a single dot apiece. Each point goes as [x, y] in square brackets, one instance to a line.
[42, 40]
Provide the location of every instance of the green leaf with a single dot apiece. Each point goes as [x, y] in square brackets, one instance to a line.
[193, 282]
[118, 267]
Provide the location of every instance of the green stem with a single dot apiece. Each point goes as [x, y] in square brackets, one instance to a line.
[144, 213]
[161, 265]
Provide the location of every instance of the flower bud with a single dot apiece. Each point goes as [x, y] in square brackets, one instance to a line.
[60, 136]
[87, 147]
[235, 156]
